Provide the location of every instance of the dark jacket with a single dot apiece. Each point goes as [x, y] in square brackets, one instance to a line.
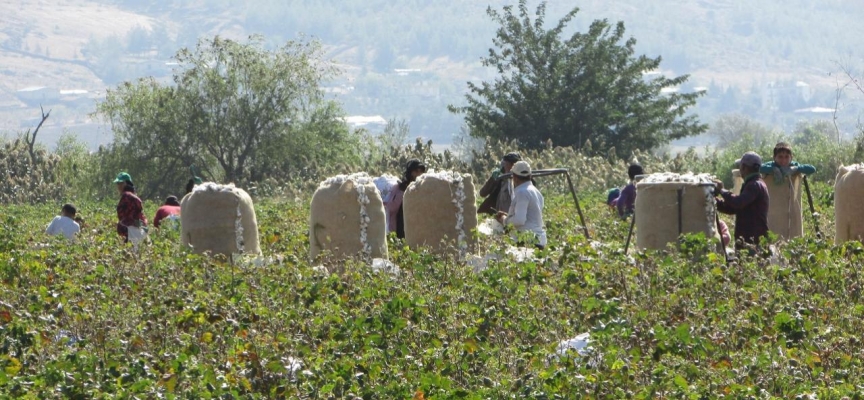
[750, 209]
[490, 191]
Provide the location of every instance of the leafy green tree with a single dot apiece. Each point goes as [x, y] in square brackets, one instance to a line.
[238, 111]
[589, 86]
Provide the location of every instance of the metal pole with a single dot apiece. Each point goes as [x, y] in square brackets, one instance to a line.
[680, 211]
[578, 209]
[812, 210]
[630, 233]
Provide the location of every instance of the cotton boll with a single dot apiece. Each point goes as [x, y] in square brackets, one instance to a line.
[580, 343]
[490, 227]
[382, 265]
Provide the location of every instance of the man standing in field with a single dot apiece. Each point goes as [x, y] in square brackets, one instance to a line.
[751, 206]
[526, 210]
[498, 192]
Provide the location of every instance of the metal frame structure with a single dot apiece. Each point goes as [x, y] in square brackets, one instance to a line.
[558, 171]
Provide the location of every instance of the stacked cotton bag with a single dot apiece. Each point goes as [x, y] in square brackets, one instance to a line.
[347, 218]
[440, 212]
[219, 219]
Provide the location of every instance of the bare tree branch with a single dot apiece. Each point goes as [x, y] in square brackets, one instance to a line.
[31, 140]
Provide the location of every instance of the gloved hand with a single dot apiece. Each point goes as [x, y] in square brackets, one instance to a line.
[718, 187]
[778, 174]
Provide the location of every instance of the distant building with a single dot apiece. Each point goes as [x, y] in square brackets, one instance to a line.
[815, 110]
[405, 71]
[356, 121]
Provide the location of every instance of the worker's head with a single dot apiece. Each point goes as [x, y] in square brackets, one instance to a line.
[634, 170]
[122, 181]
[172, 201]
[783, 154]
[521, 172]
[413, 169]
[68, 210]
[508, 160]
[748, 163]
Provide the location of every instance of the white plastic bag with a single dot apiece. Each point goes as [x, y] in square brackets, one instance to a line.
[136, 235]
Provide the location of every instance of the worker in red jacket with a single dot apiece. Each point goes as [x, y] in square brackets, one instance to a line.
[171, 208]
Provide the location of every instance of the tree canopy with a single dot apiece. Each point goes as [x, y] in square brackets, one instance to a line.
[590, 86]
[238, 111]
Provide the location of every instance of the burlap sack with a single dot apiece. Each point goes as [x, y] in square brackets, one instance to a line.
[347, 218]
[737, 181]
[440, 207]
[849, 204]
[784, 210]
[657, 209]
[219, 219]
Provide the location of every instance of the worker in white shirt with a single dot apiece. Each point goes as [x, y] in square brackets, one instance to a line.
[526, 210]
[64, 223]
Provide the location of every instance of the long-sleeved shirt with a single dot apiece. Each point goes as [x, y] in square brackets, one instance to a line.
[65, 225]
[129, 210]
[750, 209]
[626, 201]
[526, 211]
[163, 212]
[769, 168]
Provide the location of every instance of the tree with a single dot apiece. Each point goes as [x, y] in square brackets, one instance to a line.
[589, 86]
[239, 112]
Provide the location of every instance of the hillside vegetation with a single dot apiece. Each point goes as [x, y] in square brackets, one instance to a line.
[91, 44]
[94, 319]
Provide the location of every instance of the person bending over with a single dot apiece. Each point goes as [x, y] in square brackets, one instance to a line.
[64, 223]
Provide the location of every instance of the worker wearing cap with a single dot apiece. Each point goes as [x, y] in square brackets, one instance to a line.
[498, 191]
[526, 210]
[130, 211]
[751, 206]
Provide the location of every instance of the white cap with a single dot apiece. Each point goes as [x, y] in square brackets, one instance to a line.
[522, 169]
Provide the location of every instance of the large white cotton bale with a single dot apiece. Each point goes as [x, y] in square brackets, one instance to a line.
[347, 218]
[657, 208]
[219, 219]
[440, 207]
[848, 203]
[784, 211]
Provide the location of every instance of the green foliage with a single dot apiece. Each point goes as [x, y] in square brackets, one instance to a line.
[92, 319]
[24, 180]
[239, 112]
[588, 87]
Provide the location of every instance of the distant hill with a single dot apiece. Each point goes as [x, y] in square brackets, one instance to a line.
[92, 45]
